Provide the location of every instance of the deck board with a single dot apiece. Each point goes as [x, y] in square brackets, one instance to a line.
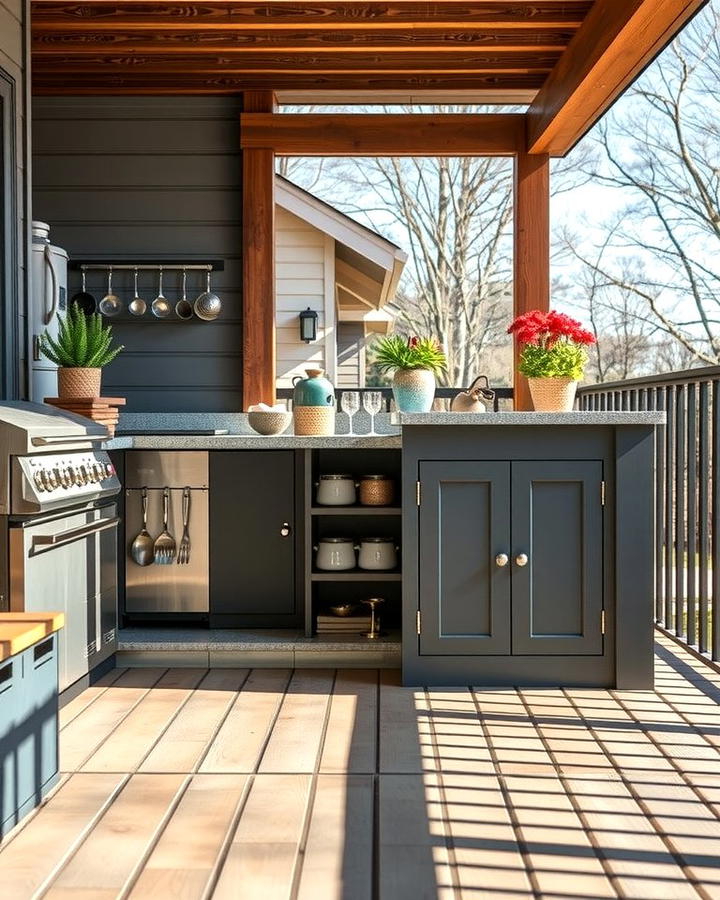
[325, 785]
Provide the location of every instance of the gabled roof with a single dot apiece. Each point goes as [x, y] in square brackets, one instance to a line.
[368, 265]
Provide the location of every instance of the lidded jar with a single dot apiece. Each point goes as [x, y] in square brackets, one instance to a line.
[336, 490]
[335, 554]
[377, 553]
[376, 490]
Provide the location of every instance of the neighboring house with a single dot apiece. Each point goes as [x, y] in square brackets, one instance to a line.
[342, 270]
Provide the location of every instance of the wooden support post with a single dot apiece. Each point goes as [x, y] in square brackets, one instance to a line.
[258, 238]
[531, 250]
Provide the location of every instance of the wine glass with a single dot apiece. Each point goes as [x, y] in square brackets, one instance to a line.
[350, 404]
[372, 403]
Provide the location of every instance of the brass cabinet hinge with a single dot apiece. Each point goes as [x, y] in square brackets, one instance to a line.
[418, 622]
[418, 493]
[602, 493]
[602, 621]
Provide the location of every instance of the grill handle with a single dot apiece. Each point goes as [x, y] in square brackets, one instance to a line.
[70, 439]
[49, 541]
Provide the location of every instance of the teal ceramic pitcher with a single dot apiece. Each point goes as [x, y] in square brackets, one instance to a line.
[313, 390]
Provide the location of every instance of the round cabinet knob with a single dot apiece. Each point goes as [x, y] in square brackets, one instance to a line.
[521, 559]
[285, 530]
[502, 559]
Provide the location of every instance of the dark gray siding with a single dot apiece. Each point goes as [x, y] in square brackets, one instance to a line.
[146, 178]
[14, 15]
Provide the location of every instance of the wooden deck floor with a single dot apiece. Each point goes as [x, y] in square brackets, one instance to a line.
[268, 784]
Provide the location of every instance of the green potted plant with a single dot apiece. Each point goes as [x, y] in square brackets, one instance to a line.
[553, 357]
[414, 363]
[82, 348]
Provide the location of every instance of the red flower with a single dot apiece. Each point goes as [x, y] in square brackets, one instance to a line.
[546, 328]
[413, 342]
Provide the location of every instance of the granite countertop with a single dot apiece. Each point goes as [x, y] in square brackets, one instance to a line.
[250, 442]
[577, 417]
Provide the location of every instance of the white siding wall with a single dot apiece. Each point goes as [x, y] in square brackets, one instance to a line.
[303, 270]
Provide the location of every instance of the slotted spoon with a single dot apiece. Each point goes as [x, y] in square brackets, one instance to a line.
[165, 542]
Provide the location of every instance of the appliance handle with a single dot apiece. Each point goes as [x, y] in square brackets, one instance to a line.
[69, 439]
[49, 541]
[50, 313]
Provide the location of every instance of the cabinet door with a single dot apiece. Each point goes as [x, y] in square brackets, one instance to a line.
[557, 522]
[252, 559]
[464, 524]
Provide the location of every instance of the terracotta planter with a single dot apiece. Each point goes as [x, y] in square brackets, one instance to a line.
[78, 383]
[553, 394]
[413, 390]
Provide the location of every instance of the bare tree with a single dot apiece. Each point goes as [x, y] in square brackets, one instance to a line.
[657, 263]
[453, 216]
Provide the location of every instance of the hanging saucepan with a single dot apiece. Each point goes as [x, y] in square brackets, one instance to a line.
[208, 305]
[84, 300]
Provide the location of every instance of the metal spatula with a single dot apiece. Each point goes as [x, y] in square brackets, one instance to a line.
[165, 542]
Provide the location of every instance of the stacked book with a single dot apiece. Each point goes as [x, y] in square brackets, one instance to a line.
[343, 624]
[103, 410]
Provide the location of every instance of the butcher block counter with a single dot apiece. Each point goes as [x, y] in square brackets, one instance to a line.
[18, 631]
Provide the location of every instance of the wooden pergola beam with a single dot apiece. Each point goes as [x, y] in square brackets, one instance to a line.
[615, 42]
[258, 252]
[384, 135]
[531, 257]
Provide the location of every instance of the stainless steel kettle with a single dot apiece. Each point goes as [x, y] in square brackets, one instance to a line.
[470, 401]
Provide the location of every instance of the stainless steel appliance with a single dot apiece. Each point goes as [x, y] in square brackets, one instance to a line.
[48, 297]
[175, 587]
[58, 529]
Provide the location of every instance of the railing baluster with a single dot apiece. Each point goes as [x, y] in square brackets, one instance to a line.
[680, 462]
[691, 565]
[659, 403]
[703, 514]
[669, 505]
[715, 523]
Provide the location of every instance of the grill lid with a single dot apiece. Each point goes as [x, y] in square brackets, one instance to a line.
[36, 428]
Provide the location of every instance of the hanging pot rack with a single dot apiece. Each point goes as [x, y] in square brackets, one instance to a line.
[171, 265]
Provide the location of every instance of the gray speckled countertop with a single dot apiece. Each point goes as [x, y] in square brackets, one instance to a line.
[249, 442]
[577, 417]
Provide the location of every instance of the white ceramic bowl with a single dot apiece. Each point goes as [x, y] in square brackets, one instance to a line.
[269, 423]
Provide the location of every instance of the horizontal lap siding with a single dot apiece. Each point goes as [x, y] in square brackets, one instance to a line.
[299, 284]
[146, 178]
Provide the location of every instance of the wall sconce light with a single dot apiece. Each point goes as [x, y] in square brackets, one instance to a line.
[308, 325]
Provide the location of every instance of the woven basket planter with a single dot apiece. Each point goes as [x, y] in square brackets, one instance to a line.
[553, 394]
[314, 419]
[78, 383]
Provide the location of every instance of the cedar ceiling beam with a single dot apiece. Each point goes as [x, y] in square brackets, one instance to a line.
[105, 81]
[330, 134]
[612, 46]
[165, 37]
[330, 14]
[258, 251]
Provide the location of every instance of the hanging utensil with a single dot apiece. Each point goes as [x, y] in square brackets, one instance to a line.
[161, 306]
[137, 306]
[143, 547]
[183, 557]
[208, 305]
[111, 304]
[84, 300]
[183, 308]
[164, 546]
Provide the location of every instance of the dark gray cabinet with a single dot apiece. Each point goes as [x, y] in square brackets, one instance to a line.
[511, 557]
[252, 538]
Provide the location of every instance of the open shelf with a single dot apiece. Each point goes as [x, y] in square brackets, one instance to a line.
[356, 510]
[356, 575]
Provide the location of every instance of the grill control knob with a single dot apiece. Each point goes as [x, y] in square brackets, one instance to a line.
[37, 478]
[109, 469]
[84, 476]
[71, 475]
[98, 472]
[48, 480]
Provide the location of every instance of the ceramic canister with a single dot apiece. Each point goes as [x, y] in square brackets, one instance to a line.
[336, 490]
[313, 390]
[377, 553]
[376, 490]
[335, 554]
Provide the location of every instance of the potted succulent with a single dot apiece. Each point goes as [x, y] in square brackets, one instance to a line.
[553, 357]
[82, 348]
[414, 363]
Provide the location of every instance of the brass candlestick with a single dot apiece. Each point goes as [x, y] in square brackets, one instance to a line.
[374, 632]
